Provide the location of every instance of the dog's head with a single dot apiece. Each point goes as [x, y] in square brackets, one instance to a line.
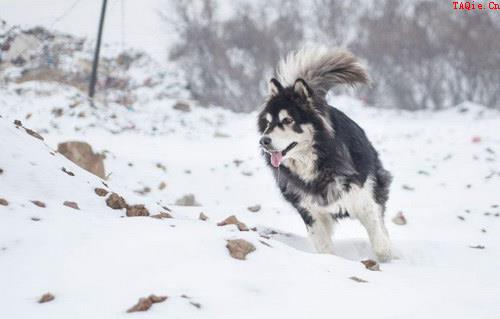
[289, 121]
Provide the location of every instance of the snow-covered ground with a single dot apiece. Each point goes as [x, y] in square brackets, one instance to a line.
[97, 264]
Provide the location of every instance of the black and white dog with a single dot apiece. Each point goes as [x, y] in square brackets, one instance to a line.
[323, 163]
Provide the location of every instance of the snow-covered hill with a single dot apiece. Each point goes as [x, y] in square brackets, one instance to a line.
[98, 264]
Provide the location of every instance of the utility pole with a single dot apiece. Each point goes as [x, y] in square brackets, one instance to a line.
[95, 64]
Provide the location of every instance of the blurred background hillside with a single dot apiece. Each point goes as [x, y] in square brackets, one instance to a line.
[421, 54]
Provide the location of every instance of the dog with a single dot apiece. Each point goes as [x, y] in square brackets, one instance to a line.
[323, 162]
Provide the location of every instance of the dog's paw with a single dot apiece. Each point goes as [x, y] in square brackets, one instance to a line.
[382, 249]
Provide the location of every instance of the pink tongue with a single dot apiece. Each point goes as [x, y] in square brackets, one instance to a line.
[276, 158]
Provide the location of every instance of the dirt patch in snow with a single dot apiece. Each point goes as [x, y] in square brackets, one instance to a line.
[70, 204]
[39, 203]
[115, 201]
[162, 215]
[371, 265]
[232, 220]
[137, 210]
[101, 192]
[145, 303]
[4, 202]
[239, 248]
[46, 298]
[187, 200]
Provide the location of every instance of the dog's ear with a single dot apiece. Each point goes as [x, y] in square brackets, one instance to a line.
[275, 87]
[302, 89]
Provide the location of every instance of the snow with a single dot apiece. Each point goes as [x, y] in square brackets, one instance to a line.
[97, 264]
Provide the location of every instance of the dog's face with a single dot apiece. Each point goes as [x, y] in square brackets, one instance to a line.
[285, 124]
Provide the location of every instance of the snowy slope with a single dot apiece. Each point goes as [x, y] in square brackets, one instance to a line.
[98, 264]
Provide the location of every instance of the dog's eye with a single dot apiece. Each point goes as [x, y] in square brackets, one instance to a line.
[287, 120]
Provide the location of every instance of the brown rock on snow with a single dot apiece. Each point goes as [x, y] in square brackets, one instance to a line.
[33, 133]
[232, 220]
[162, 215]
[187, 200]
[182, 106]
[115, 201]
[399, 219]
[239, 248]
[82, 155]
[371, 265]
[46, 298]
[73, 205]
[357, 279]
[162, 186]
[101, 192]
[145, 303]
[137, 210]
[39, 203]
[4, 202]
[254, 208]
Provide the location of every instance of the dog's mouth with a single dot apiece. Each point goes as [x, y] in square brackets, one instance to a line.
[277, 156]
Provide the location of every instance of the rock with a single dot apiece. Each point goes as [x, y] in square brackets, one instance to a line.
[35, 219]
[1, 171]
[115, 201]
[239, 248]
[4, 202]
[101, 192]
[162, 215]
[182, 106]
[73, 205]
[221, 135]
[187, 200]
[39, 203]
[202, 216]
[232, 220]
[162, 186]
[46, 298]
[18, 123]
[399, 219]
[195, 304]
[357, 279]
[254, 208]
[371, 265]
[33, 133]
[137, 210]
[82, 155]
[145, 303]
[67, 172]
[477, 247]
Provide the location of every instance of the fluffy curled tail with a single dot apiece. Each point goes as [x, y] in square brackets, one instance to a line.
[322, 68]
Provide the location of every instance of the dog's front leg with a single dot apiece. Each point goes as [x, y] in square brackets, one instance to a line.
[318, 229]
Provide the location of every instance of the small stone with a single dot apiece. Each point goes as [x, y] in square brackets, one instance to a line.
[187, 200]
[115, 201]
[162, 215]
[35, 219]
[18, 123]
[182, 106]
[239, 248]
[137, 210]
[202, 216]
[4, 202]
[162, 186]
[357, 279]
[461, 217]
[195, 304]
[399, 219]
[232, 220]
[371, 265]
[477, 247]
[1, 171]
[73, 205]
[145, 303]
[101, 191]
[46, 298]
[33, 133]
[254, 208]
[218, 134]
[68, 172]
[39, 203]
[408, 188]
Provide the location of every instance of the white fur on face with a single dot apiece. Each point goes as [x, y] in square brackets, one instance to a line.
[282, 137]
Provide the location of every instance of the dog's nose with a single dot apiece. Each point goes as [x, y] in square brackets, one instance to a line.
[265, 141]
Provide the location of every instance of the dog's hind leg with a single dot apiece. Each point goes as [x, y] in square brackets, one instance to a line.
[319, 230]
[371, 218]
